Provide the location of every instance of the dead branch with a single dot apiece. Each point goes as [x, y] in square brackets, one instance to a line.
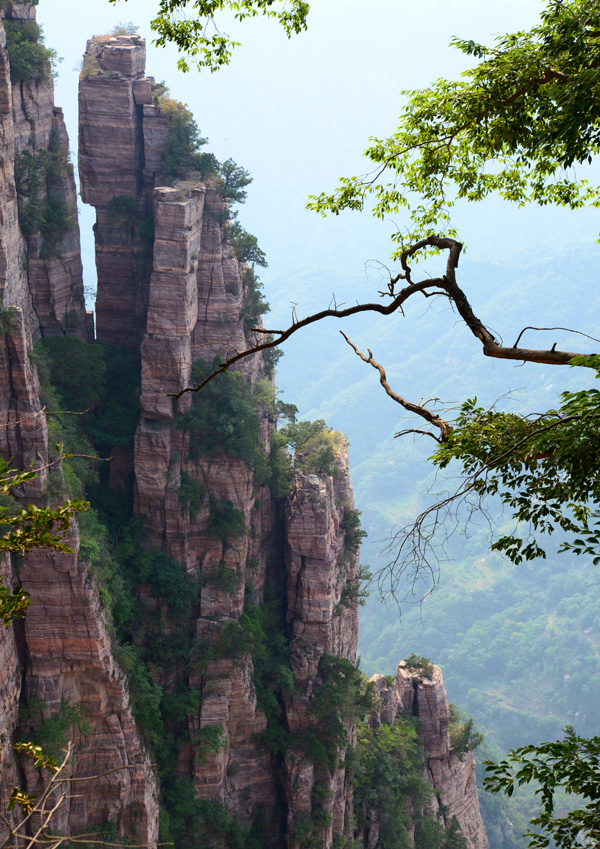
[567, 329]
[21, 836]
[420, 410]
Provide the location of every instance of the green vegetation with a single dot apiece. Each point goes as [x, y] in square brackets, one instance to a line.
[29, 59]
[464, 737]
[420, 664]
[128, 28]
[53, 733]
[182, 150]
[225, 521]
[193, 36]
[223, 419]
[571, 764]
[123, 209]
[341, 696]
[353, 534]
[544, 468]
[245, 247]
[316, 446]
[192, 495]
[516, 124]
[388, 778]
[253, 306]
[234, 181]
[42, 206]
[208, 741]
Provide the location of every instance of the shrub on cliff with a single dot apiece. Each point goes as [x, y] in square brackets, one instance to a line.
[182, 149]
[41, 202]
[464, 737]
[29, 59]
[223, 419]
[315, 445]
[420, 664]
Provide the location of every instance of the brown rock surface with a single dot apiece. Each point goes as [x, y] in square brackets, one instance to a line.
[318, 568]
[452, 778]
[64, 645]
[48, 288]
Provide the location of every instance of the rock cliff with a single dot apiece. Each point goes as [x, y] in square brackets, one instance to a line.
[211, 614]
[62, 653]
[451, 776]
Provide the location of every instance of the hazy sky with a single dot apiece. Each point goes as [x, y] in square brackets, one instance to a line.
[298, 114]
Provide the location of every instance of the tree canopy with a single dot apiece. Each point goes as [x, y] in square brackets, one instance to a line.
[518, 124]
[193, 26]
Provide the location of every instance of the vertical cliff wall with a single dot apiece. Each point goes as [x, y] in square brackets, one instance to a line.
[62, 653]
[40, 262]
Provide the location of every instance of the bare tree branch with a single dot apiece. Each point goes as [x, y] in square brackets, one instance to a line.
[433, 419]
[40, 835]
[445, 285]
[567, 329]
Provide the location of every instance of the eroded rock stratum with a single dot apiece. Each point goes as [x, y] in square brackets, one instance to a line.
[222, 698]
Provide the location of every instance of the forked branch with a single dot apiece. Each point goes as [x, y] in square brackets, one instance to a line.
[419, 409]
[445, 285]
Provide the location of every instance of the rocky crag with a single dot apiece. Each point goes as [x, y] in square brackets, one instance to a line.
[452, 776]
[62, 654]
[235, 663]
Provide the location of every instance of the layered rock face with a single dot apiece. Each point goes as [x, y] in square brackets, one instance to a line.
[40, 271]
[61, 654]
[121, 137]
[452, 778]
[320, 566]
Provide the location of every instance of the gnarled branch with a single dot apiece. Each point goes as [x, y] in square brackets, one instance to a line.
[445, 285]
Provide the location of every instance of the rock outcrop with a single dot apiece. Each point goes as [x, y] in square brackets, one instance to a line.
[61, 654]
[452, 777]
[270, 582]
[322, 620]
[40, 265]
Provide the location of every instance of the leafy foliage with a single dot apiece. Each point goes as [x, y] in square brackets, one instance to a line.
[41, 202]
[341, 696]
[316, 446]
[388, 776]
[544, 468]
[191, 495]
[52, 733]
[225, 521]
[27, 528]
[573, 764]
[122, 208]
[29, 59]
[192, 34]
[182, 148]
[234, 181]
[245, 246]
[254, 305]
[208, 741]
[223, 419]
[420, 664]
[354, 535]
[464, 737]
[128, 28]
